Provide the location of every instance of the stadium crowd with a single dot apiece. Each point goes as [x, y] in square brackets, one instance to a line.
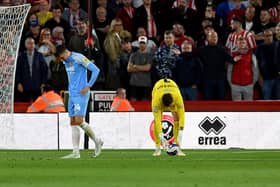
[214, 50]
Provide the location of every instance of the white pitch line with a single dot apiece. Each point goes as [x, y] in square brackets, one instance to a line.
[260, 151]
[146, 159]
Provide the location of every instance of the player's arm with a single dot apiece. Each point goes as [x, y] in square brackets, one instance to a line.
[84, 61]
[157, 112]
[181, 116]
[94, 73]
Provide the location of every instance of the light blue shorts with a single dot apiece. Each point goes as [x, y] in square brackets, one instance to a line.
[77, 105]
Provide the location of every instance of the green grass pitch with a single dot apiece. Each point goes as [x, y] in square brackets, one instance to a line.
[137, 168]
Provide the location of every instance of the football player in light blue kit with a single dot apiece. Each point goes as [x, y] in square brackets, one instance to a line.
[76, 66]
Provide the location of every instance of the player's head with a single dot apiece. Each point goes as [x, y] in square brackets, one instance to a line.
[61, 52]
[167, 99]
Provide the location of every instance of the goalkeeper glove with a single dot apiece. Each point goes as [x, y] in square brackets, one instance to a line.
[163, 141]
[180, 137]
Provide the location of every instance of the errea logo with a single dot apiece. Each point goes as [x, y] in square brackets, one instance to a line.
[215, 126]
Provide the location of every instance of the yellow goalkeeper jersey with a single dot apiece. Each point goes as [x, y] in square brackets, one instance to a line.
[164, 86]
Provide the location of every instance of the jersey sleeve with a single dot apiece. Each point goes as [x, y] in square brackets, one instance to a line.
[180, 110]
[157, 112]
[84, 61]
[94, 73]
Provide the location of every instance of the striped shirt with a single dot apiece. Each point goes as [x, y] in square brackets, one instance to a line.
[231, 44]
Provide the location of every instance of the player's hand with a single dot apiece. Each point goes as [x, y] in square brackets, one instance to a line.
[84, 90]
[163, 141]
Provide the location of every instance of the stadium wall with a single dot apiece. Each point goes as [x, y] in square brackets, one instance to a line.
[124, 130]
[190, 106]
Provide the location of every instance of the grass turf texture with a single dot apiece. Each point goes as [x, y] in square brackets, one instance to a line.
[137, 168]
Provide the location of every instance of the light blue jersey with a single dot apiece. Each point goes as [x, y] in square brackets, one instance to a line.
[76, 67]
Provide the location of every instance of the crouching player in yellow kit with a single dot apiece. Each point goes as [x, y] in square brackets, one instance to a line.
[166, 97]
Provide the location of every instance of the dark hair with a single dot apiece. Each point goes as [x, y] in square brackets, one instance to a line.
[59, 50]
[47, 88]
[83, 20]
[56, 7]
[167, 99]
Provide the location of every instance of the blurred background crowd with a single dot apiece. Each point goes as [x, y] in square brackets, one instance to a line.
[213, 49]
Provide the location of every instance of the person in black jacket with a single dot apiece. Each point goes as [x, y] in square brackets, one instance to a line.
[31, 73]
[188, 72]
[214, 59]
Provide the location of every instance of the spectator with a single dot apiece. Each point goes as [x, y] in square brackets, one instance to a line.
[275, 13]
[187, 17]
[188, 72]
[35, 5]
[202, 41]
[211, 16]
[264, 24]
[126, 14]
[249, 18]
[31, 19]
[242, 77]
[58, 36]
[258, 5]
[58, 21]
[147, 16]
[44, 13]
[214, 59]
[31, 73]
[47, 48]
[222, 10]
[72, 15]
[101, 25]
[166, 56]
[33, 32]
[238, 11]
[91, 50]
[238, 31]
[139, 67]
[268, 70]
[59, 76]
[276, 60]
[49, 102]
[179, 35]
[110, 6]
[151, 45]
[126, 51]
[112, 46]
[120, 103]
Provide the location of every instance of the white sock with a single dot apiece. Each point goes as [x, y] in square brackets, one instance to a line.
[75, 138]
[85, 126]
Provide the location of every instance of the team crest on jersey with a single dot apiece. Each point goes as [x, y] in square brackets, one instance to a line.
[85, 59]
